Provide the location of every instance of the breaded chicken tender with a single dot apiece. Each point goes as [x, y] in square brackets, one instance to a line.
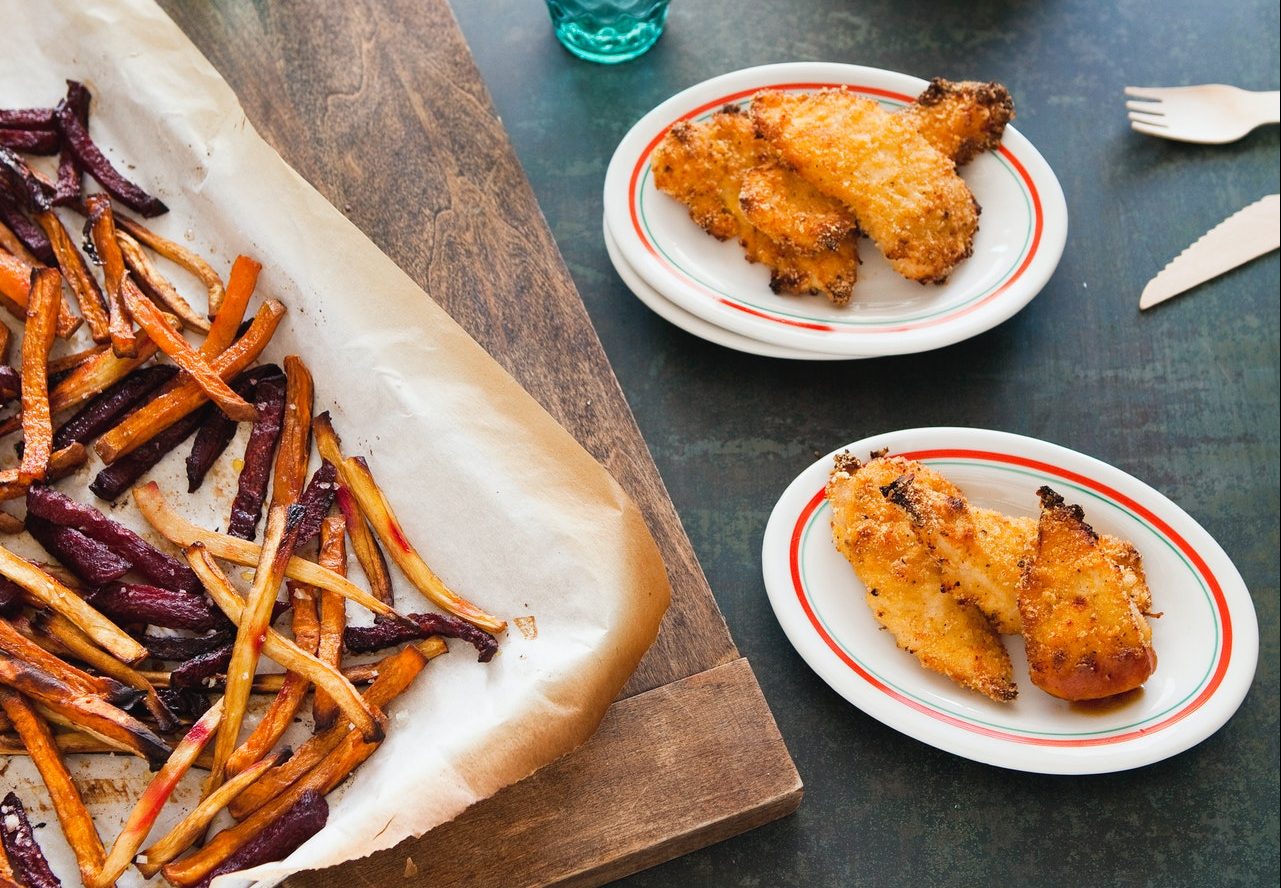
[793, 212]
[703, 164]
[980, 552]
[905, 194]
[903, 584]
[961, 120]
[1086, 636]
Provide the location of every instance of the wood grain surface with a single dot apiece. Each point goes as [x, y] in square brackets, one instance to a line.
[380, 107]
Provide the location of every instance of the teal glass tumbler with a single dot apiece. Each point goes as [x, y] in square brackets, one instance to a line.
[607, 31]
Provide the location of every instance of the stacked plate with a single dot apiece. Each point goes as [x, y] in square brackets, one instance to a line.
[705, 286]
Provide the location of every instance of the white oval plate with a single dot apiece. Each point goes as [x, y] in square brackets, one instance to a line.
[1207, 641]
[1021, 236]
[693, 324]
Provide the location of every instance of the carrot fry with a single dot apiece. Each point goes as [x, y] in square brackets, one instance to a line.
[15, 283]
[365, 718]
[156, 285]
[37, 422]
[147, 809]
[332, 616]
[14, 244]
[102, 233]
[228, 315]
[180, 255]
[178, 530]
[189, 830]
[81, 282]
[55, 595]
[61, 464]
[198, 369]
[186, 396]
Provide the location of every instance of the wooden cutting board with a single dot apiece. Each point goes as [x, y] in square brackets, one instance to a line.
[381, 108]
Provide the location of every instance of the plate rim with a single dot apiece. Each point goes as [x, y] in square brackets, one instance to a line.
[1176, 734]
[961, 323]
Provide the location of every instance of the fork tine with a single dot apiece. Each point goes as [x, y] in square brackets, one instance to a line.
[1148, 107]
[1153, 93]
[1150, 119]
[1148, 130]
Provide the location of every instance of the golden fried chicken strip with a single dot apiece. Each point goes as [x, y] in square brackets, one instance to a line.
[1086, 638]
[903, 582]
[702, 164]
[792, 211]
[906, 195]
[980, 551]
[961, 120]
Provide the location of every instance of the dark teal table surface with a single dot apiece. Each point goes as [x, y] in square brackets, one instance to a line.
[1184, 397]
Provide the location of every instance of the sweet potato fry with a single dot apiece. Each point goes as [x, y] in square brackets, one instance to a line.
[151, 504]
[107, 408]
[85, 557]
[84, 711]
[191, 828]
[59, 598]
[182, 257]
[251, 487]
[279, 715]
[95, 375]
[95, 163]
[186, 397]
[332, 616]
[15, 284]
[162, 569]
[155, 285]
[62, 463]
[101, 231]
[77, 825]
[20, 847]
[294, 449]
[198, 369]
[68, 362]
[82, 283]
[394, 674]
[37, 425]
[147, 808]
[14, 644]
[368, 720]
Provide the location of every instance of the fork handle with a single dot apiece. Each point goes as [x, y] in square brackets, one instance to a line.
[1268, 106]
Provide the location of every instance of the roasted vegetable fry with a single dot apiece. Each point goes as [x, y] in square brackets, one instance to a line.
[95, 163]
[190, 829]
[113, 480]
[280, 714]
[386, 633]
[30, 141]
[180, 256]
[23, 184]
[17, 645]
[58, 597]
[84, 711]
[10, 524]
[27, 232]
[20, 847]
[85, 557]
[394, 674]
[251, 488]
[200, 670]
[77, 825]
[368, 553]
[11, 242]
[162, 569]
[294, 450]
[197, 368]
[186, 397]
[232, 306]
[96, 374]
[316, 500]
[27, 118]
[68, 362]
[62, 463]
[101, 230]
[15, 284]
[37, 425]
[10, 383]
[278, 839]
[177, 648]
[151, 504]
[332, 615]
[1086, 638]
[107, 408]
[156, 285]
[79, 279]
[69, 185]
[218, 429]
[147, 808]
[166, 608]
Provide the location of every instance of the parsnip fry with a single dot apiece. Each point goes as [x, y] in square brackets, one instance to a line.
[102, 232]
[79, 279]
[83, 711]
[179, 255]
[156, 285]
[280, 714]
[395, 673]
[178, 530]
[198, 369]
[228, 315]
[55, 595]
[37, 421]
[366, 718]
[332, 616]
[189, 830]
[177, 402]
[147, 809]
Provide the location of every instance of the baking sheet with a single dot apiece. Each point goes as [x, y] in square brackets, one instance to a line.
[502, 502]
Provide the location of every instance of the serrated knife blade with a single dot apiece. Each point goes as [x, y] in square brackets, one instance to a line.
[1245, 235]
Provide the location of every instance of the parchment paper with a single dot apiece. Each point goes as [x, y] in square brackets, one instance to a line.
[502, 502]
